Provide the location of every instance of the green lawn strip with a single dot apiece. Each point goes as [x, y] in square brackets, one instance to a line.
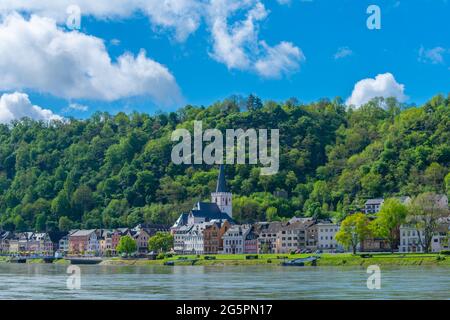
[345, 259]
[35, 261]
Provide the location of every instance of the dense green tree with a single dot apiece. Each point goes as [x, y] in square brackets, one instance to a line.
[127, 245]
[387, 224]
[353, 231]
[160, 242]
[65, 224]
[115, 170]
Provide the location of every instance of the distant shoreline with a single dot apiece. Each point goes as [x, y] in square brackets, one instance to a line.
[341, 260]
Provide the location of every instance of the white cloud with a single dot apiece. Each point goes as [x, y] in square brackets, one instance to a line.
[284, 58]
[284, 2]
[115, 42]
[343, 52]
[181, 16]
[15, 106]
[384, 85]
[434, 55]
[35, 54]
[238, 45]
[78, 107]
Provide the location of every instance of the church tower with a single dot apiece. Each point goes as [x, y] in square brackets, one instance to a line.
[222, 197]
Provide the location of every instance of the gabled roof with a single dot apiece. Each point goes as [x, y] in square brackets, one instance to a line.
[83, 233]
[272, 227]
[181, 221]
[299, 225]
[209, 211]
[241, 229]
[6, 235]
[40, 236]
[375, 201]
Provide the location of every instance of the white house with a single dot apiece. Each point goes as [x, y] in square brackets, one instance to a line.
[193, 240]
[373, 205]
[410, 238]
[234, 239]
[63, 244]
[326, 236]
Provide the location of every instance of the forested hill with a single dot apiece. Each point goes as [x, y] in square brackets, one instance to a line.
[109, 171]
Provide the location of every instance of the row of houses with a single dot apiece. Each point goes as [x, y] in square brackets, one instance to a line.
[209, 228]
[93, 242]
[222, 236]
[38, 243]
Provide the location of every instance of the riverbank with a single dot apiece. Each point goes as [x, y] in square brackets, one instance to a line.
[344, 259]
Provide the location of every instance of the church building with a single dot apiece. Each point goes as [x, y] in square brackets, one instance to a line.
[220, 208]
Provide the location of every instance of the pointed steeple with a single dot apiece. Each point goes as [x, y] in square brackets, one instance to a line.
[221, 183]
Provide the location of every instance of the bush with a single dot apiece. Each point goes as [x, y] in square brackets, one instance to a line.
[210, 258]
[445, 252]
[251, 257]
[160, 256]
[269, 260]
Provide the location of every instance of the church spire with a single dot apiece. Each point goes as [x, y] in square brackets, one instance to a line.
[222, 197]
[221, 182]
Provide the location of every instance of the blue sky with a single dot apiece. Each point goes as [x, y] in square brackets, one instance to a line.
[327, 49]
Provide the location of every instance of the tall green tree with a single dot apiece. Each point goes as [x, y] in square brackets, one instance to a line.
[160, 242]
[354, 230]
[126, 245]
[387, 224]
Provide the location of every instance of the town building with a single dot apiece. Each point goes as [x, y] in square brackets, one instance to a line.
[84, 242]
[411, 239]
[267, 240]
[104, 238]
[179, 238]
[141, 237]
[373, 206]
[115, 238]
[205, 212]
[193, 240]
[206, 223]
[213, 236]
[5, 238]
[251, 240]
[234, 239]
[326, 236]
[374, 244]
[293, 236]
[40, 243]
[63, 244]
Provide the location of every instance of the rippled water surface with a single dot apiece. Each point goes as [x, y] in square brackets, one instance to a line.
[21, 281]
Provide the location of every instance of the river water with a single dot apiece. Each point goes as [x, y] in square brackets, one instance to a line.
[36, 281]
